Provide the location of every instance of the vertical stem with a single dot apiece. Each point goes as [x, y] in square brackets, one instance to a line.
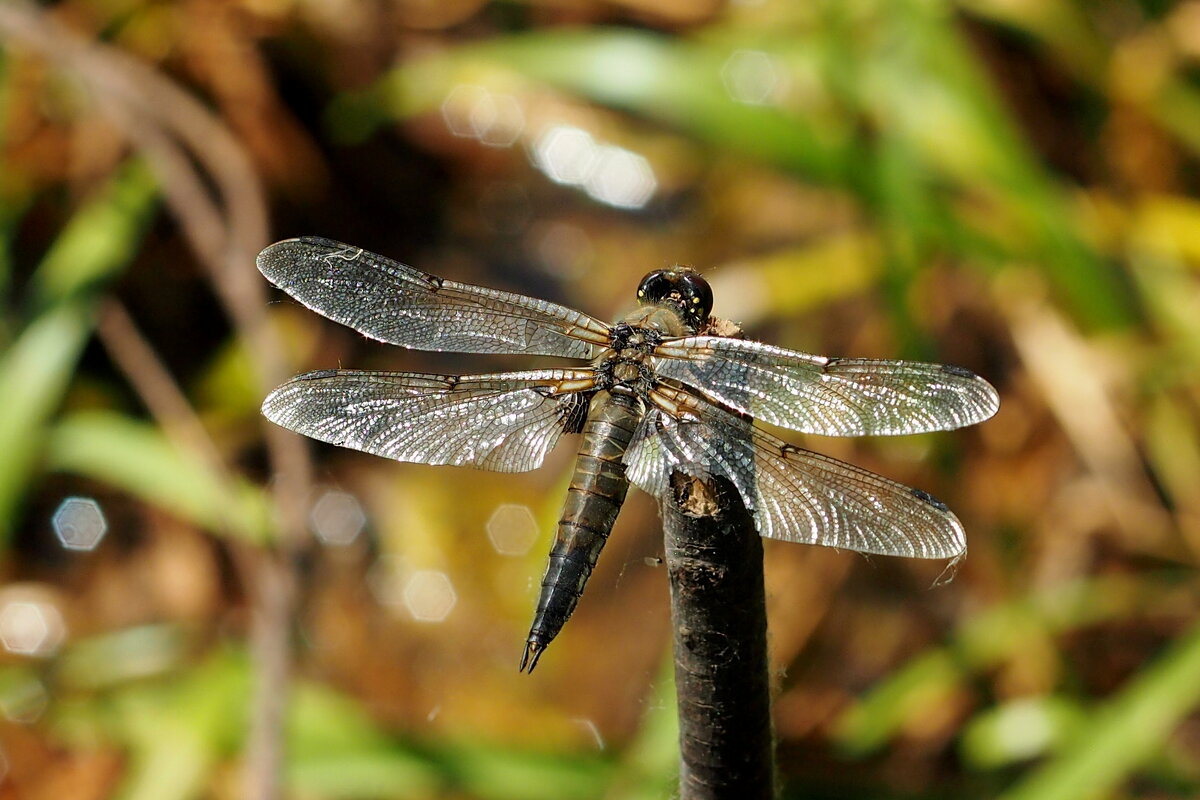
[718, 609]
[272, 610]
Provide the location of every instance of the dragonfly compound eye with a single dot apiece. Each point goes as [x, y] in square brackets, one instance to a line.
[680, 287]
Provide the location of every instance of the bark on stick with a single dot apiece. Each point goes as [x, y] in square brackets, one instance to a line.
[714, 558]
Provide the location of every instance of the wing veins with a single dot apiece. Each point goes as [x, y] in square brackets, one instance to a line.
[795, 495]
[814, 394]
[506, 422]
[393, 302]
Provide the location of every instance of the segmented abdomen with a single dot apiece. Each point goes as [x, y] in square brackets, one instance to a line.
[597, 490]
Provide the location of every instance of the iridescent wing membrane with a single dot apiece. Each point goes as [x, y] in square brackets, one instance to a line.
[697, 419]
[506, 422]
[795, 495]
[394, 303]
[828, 396]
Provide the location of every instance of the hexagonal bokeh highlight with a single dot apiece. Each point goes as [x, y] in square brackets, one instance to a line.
[512, 529]
[621, 178]
[495, 119]
[609, 174]
[31, 627]
[429, 595]
[458, 108]
[337, 518]
[79, 523]
[566, 154]
[501, 124]
[751, 77]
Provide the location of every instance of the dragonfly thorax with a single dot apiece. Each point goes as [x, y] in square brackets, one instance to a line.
[626, 374]
[636, 338]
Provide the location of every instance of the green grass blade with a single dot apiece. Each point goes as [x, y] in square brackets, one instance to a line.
[675, 82]
[982, 642]
[36, 370]
[34, 374]
[138, 457]
[100, 240]
[1127, 732]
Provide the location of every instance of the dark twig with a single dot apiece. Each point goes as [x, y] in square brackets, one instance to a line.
[718, 608]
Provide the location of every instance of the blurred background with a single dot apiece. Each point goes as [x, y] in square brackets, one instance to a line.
[1008, 186]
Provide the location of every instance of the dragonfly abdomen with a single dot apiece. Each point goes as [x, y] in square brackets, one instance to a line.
[597, 490]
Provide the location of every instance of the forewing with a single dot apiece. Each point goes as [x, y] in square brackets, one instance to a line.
[506, 422]
[795, 495]
[395, 303]
[829, 396]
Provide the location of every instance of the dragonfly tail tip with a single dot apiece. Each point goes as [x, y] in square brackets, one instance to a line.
[529, 658]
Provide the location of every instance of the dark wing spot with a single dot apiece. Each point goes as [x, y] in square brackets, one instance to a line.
[831, 360]
[959, 371]
[316, 374]
[928, 498]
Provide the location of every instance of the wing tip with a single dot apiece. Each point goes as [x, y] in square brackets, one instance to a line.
[955, 548]
[269, 407]
[270, 254]
[290, 250]
[274, 410]
[989, 400]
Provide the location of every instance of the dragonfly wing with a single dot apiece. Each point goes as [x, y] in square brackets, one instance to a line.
[829, 396]
[506, 422]
[398, 304]
[795, 495]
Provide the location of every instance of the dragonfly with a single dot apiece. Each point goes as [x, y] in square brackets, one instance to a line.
[658, 393]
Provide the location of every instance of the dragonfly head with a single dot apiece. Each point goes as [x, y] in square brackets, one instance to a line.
[680, 288]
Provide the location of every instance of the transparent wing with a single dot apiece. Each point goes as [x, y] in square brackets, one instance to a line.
[506, 422]
[394, 303]
[829, 396]
[795, 495]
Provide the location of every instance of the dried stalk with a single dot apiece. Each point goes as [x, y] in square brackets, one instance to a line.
[174, 131]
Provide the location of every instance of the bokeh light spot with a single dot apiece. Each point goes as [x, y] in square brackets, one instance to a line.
[512, 529]
[429, 596]
[566, 154]
[609, 174]
[474, 112]
[458, 109]
[31, 627]
[750, 77]
[1024, 729]
[79, 523]
[621, 178]
[501, 123]
[337, 518]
